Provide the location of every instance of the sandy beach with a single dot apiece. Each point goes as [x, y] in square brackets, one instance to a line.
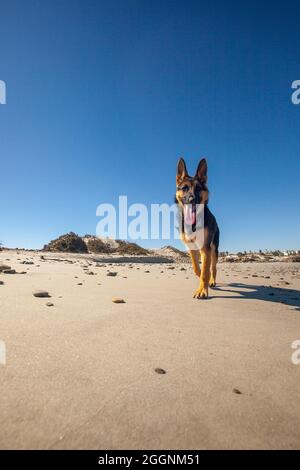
[82, 372]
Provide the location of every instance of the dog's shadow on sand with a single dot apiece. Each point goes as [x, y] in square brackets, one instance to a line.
[290, 297]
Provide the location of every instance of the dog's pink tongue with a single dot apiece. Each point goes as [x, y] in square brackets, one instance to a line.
[189, 215]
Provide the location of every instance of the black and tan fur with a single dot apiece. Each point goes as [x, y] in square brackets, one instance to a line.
[193, 190]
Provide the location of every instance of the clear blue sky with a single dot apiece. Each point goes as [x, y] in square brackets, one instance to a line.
[104, 96]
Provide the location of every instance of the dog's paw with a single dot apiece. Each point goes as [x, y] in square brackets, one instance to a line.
[201, 293]
[212, 282]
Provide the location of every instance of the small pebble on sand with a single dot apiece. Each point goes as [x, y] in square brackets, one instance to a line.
[41, 293]
[117, 300]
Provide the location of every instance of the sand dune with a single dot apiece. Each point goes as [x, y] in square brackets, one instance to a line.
[82, 372]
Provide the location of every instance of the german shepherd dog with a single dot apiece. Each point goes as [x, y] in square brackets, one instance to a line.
[190, 192]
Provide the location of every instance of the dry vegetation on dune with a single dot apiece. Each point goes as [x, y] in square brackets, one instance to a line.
[69, 243]
[73, 243]
[130, 248]
[96, 245]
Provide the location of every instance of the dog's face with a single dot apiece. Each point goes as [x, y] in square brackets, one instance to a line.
[191, 190]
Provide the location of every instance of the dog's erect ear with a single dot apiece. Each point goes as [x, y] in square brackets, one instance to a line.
[181, 169]
[201, 172]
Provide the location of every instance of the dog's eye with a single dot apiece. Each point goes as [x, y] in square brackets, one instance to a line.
[184, 188]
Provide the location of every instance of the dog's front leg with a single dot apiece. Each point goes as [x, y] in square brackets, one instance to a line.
[202, 291]
[195, 255]
[213, 268]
